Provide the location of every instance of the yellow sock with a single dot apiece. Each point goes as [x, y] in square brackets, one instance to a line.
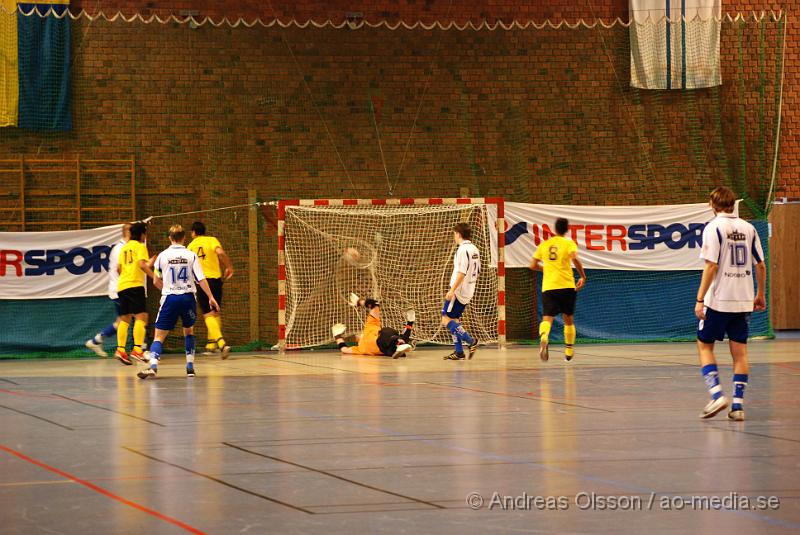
[122, 335]
[138, 334]
[215, 331]
[544, 330]
[569, 340]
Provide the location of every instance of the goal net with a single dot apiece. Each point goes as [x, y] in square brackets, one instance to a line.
[397, 252]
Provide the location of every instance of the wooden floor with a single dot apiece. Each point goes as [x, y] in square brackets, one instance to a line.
[313, 442]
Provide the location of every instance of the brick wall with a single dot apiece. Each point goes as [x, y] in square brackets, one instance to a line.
[542, 116]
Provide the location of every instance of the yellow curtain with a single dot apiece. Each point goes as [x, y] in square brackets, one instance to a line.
[9, 67]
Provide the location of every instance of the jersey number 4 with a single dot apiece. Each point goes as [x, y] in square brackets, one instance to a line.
[182, 275]
[200, 253]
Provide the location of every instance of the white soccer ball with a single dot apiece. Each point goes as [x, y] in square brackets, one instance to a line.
[351, 256]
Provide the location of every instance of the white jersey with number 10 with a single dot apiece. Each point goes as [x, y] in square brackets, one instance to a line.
[180, 269]
[733, 244]
[467, 260]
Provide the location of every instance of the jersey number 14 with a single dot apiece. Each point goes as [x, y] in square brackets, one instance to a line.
[182, 275]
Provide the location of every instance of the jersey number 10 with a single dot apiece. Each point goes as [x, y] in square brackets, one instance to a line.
[738, 255]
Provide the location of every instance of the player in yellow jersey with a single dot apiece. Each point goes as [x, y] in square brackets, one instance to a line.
[133, 271]
[555, 257]
[217, 267]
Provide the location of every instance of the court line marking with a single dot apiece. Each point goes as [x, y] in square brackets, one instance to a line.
[763, 435]
[104, 492]
[37, 417]
[531, 398]
[329, 474]
[220, 481]
[109, 410]
[8, 381]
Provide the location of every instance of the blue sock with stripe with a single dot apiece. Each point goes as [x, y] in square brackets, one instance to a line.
[105, 333]
[739, 384]
[464, 335]
[453, 326]
[189, 343]
[711, 377]
[155, 354]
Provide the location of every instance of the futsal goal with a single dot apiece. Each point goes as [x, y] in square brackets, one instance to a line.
[398, 251]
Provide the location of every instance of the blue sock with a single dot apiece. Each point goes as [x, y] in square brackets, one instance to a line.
[105, 333]
[711, 377]
[155, 353]
[464, 335]
[189, 342]
[453, 326]
[739, 384]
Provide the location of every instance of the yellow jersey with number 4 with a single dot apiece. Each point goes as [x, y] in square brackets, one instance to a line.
[205, 247]
[131, 275]
[556, 256]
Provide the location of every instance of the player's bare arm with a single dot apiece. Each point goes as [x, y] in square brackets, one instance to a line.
[145, 266]
[226, 263]
[452, 292]
[760, 302]
[211, 301]
[709, 273]
[536, 265]
[579, 266]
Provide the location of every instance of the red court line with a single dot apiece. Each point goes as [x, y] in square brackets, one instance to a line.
[102, 491]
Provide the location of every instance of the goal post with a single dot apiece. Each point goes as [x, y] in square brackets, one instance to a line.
[399, 251]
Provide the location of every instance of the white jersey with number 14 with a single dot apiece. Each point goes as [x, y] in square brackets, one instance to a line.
[180, 269]
[467, 260]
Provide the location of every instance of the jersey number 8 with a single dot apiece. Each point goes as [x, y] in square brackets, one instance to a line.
[553, 253]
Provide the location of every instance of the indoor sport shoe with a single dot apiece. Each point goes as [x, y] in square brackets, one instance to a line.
[147, 372]
[454, 356]
[225, 352]
[338, 330]
[353, 299]
[123, 357]
[736, 416]
[713, 407]
[97, 348]
[473, 348]
[544, 352]
[189, 370]
[410, 315]
[401, 350]
[139, 355]
[209, 352]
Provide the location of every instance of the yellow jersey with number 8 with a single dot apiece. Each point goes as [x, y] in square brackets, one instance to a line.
[131, 275]
[556, 256]
[205, 247]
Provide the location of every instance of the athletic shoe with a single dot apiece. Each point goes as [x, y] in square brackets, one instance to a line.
[226, 352]
[338, 330]
[97, 348]
[189, 370]
[401, 351]
[123, 357]
[209, 352]
[139, 355]
[736, 416]
[353, 300]
[473, 348]
[544, 352]
[713, 407]
[410, 315]
[147, 372]
[454, 356]
[569, 357]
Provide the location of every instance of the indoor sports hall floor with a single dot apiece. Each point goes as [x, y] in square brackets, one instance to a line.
[315, 443]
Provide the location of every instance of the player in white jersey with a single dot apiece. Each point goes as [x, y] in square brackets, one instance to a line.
[466, 267]
[96, 343]
[178, 270]
[725, 300]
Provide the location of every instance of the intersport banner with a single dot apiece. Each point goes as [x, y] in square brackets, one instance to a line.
[657, 238]
[48, 265]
